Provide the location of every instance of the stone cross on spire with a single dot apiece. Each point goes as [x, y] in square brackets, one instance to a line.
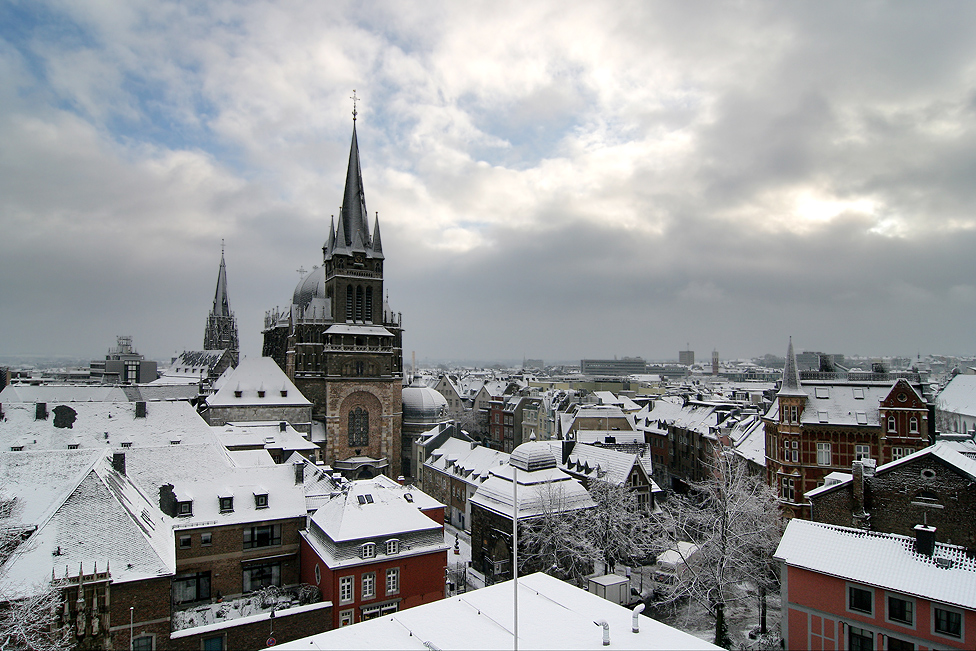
[354, 100]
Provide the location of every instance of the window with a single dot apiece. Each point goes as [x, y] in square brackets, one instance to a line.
[206, 539]
[859, 393]
[862, 452]
[901, 610]
[345, 589]
[392, 547]
[898, 453]
[823, 454]
[894, 644]
[264, 536]
[822, 392]
[214, 643]
[143, 643]
[860, 600]
[127, 444]
[73, 446]
[184, 508]
[822, 416]
[861, 417]
[318, 574]
[191, 587]
[795, 449]
[913, 425]
[260, 500]
[226, 504]
[788, 491]
[369, 585]
[368, 550]
[948, 622]
[261, 576]
[891, 424]
[345, 617]
[859, 639]
[358, 427]
[185, 542]
[393, 580]
[794, 416]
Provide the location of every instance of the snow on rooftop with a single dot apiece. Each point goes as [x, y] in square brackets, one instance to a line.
[62, 393]
[255, 375]
[535, 490]
[958, 396]
[882, 560]
[390, 511]
[268, 435]
[552, 615]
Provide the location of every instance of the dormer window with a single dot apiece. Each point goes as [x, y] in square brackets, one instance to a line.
[260, 500]
[392, 547]
[368, 550]
[184, 508]
[260, 393]
[365, 499]
[238, 393]
[226, 504]
[284, 393]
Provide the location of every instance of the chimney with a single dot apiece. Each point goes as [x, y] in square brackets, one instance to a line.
[167, 500]
[141, 409]
[859, 515]
[118, 462]
[282, 425]
[924, 539]
[40, 411]
[299, 473]
[401, 480]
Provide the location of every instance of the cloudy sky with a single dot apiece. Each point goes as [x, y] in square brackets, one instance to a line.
[553, 180]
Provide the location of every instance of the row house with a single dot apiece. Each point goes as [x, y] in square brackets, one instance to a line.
[375, 549]
[453, 474]
[826, 422]
[589, 463]
[844, 588]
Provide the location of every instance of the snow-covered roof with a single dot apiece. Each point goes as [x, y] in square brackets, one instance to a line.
[39, 482]
[354, 329]
[473, 463]
[56, 393]
[749, 439]
[262, 434]
[882, 560]
[605, 464]
[552, 615]
[539, 491]
[393, 509]
[840, 403]
[958, 396]
[254, 375]
[591, 436]
[101, 425]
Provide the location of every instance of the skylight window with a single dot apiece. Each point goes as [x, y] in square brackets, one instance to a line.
[260, 500]
[822, 416]
[822, 392]
[862, 418]
[858, 393]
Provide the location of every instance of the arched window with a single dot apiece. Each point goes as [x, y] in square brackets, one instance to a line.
[359, 303]
[349, 312]
[369, 304]
[913, 425]
[358, 427]
[891, 424]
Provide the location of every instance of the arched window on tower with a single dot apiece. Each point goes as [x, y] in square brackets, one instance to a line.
[358, 428]
[359, 303]
[369, 304]
[349, 312]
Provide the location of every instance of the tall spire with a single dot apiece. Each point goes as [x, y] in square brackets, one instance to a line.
[353, 217]
[791, 375]
[221, 332]
[221, 306]
[377, 243]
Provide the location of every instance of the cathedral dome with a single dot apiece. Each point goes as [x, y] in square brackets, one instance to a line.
[310, 287]
[532, 456]
[423, 405]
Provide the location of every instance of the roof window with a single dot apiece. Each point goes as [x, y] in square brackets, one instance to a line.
[185, 508]
[821, 392]
[368, 550]
[226, 504]
[365, 499]
[822, 416]
[260, 500]
[858, 393]
[862, 418]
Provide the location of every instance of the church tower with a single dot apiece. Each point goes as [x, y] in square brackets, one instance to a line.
[221, 332]
[340, 342]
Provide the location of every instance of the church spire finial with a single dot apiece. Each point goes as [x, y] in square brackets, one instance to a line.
[354, 100]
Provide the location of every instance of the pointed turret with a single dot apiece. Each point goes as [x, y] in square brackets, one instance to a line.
[377, 243]
[340, 245]
[330, 243]
[353, 217]
[221, 306]
[791, 375]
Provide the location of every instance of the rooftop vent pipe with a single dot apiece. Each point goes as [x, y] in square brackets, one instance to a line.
[606, 631]
[634, 625]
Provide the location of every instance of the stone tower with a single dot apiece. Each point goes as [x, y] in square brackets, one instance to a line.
[340, 342]
[221, 333]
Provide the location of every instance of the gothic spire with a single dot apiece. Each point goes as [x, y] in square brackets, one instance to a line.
[221, 331]
[377, 243]
[353, 217]
[791, 375]
[330, 243]
[221, 306]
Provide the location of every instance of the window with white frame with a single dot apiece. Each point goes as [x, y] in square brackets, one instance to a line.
[862, 452]
[891, 424]
[393, 580]
[788, 489]
[794, 415]
[823, 454]
[913, 425]
[345, 589]
[368, 550]
[369, 585]
[345, 617]
[392, 547]
[901, 610]
[795, 451]
[860, 600]
[947, 622]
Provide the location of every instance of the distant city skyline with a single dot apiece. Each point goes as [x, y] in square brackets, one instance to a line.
[554, 180]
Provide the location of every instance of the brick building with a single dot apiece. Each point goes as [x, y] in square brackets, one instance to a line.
[453, 474]
[340, 342]
[845, 588]
[375, 549]
[826, 422]
[935, 486]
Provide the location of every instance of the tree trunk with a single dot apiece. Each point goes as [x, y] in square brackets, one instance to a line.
[721, 628]
[762, 610]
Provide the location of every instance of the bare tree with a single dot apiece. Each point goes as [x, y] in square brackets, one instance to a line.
[618, 527]
[734, 521]
[555, 540]
[32, 623]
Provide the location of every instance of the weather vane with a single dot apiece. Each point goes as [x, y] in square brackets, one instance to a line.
[354, 100]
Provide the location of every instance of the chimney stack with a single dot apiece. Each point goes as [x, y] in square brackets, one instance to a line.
[924, 539]
[299, 473]
[118, 462]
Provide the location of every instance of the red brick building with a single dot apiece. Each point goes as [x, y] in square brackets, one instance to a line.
[375, 549]
[844, 588]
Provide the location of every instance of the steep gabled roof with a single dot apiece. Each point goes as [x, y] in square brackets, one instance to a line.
[791, 375]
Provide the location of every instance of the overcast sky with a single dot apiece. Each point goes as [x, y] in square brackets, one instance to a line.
[553, 180]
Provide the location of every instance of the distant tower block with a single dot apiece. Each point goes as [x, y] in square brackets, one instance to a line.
[221, 332]
[714, 362]
[686, 357]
